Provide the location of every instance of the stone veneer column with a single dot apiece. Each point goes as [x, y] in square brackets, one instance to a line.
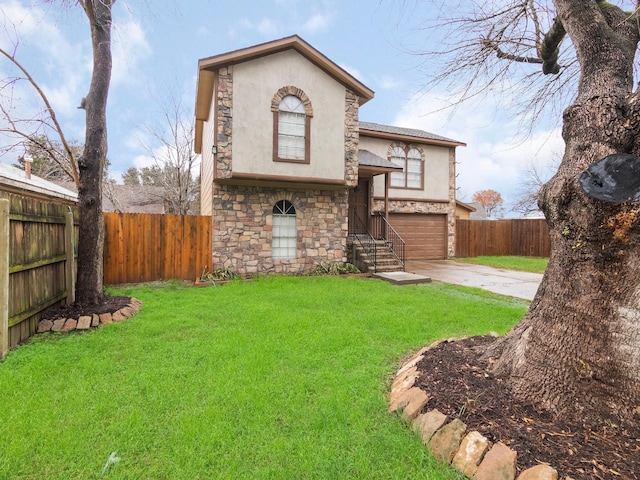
[351, 139]
[224, 122]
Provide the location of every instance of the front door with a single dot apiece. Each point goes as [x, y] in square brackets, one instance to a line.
[359, 205]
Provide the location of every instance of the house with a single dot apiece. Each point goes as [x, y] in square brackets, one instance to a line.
[464, 210]
[292, 178]
[129, 198]
[20, 182]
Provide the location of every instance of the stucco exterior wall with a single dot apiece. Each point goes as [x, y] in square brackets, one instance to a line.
[436, 170]
[242, 228]
[254, 85]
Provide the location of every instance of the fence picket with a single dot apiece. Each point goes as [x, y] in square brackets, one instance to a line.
[149, 247]
[523, 237]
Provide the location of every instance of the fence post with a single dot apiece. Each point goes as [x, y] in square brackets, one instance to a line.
[70, 271]
[4, 277]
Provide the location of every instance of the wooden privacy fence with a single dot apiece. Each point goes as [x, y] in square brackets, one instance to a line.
[146, 247]
[524, 237]
[37, 268]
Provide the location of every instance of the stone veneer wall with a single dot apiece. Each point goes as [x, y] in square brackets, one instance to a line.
[243, 221]
[427, 206]
[351, 138]
[224, 122]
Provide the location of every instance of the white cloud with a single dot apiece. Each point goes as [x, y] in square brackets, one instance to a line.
[267, 27]
[129, 47]
[389, 83]
[352, 71]
[317, 23]
[495, 157]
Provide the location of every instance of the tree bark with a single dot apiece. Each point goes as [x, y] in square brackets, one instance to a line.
[578, 347]
[89, 288]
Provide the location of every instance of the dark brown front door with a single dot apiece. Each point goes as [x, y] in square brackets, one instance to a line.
[359, 204]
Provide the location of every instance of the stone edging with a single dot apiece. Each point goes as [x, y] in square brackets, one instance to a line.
[471, 454]
[85, 322]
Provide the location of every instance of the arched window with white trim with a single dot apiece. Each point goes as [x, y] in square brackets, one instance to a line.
[292, 113]
[412, 163]
[284, 233]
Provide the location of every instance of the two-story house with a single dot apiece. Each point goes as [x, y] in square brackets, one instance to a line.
[290, 175]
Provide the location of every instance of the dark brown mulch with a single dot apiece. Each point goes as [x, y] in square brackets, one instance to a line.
[75, 310]
[455, 379]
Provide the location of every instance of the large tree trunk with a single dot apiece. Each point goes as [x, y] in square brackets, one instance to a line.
[578, 347]
[91, 163]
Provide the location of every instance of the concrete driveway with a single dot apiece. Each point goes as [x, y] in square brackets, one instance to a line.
[506, 282]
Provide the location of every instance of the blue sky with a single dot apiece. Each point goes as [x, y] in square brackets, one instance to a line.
[157, 44]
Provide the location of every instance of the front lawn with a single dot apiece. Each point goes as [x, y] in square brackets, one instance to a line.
[525, 264]
[278, 378]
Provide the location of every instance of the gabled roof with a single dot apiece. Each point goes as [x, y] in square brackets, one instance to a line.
[370, 129]
[15, 180]
[208, 66]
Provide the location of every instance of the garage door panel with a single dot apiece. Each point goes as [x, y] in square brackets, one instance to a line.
[425, 235]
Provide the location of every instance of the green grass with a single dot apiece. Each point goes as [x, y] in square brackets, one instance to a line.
[525, 264]
[278, 378]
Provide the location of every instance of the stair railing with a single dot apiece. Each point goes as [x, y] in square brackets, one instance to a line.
[360, 233]
[383, 230]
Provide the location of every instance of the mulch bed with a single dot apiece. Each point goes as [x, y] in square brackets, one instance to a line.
[454, 377]
[109, 305]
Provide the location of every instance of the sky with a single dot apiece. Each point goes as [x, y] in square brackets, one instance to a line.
[157, 44]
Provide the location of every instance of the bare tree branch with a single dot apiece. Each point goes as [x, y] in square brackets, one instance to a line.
[72, 168]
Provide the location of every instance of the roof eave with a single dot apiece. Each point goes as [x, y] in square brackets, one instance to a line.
[293, 42]
[410, 138]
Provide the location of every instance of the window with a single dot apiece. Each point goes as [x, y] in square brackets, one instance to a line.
[292, 114]
[291, 128]
[284, 237]
[410, 159]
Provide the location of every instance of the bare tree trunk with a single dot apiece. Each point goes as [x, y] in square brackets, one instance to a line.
[91, 163]
[578, 347]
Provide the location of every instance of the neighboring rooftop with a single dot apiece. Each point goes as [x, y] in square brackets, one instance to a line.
[408, 132]
[16, 180]
[131, 198]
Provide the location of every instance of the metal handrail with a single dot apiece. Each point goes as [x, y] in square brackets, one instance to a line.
[360, 233]
[392, 239]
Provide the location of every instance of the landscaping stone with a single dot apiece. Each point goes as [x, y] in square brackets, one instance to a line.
[58, 324]
[117, 316]
[84, 322]
[429, 423]
[105, 318]
[498, 464]
[539, 472]
[127, 312]
[69, 325]
[403, 382]
[472, 450]
[413, 396]
[445, 442]
[416, 403]
[95, 320]
[45, 326]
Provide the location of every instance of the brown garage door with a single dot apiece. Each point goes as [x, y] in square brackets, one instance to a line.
[425, 235]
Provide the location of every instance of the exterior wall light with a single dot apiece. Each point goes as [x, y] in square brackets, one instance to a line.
[214, 149]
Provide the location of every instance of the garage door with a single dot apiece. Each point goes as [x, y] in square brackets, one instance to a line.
[425, 235]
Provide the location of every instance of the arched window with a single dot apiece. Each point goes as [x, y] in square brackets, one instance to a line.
[411, 161]
[291, 129]
[284, 235]
[292, 112]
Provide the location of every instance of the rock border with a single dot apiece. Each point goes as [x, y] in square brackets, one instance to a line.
[472, 454]
[85, 322]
